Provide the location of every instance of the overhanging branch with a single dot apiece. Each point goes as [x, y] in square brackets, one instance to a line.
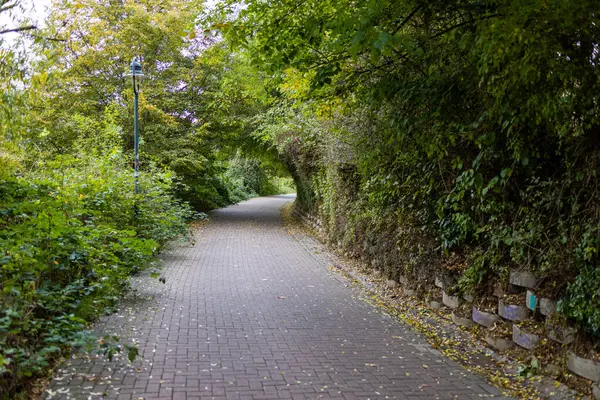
[6, 8]
[19, 29]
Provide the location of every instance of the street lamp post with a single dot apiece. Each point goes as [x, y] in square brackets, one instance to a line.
[136, 77]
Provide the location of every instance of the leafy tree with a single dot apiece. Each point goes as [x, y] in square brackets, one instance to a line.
[470, 124]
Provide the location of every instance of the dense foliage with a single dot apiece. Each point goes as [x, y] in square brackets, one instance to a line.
[71, 229]
[70, 237]
[455, 137]
[192, 107]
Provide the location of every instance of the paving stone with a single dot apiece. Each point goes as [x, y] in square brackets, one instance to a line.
[251, 312]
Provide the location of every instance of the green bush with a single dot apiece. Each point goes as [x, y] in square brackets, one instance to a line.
[71, 234]
[582, 300]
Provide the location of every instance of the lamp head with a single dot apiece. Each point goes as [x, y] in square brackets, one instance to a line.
[136, 69]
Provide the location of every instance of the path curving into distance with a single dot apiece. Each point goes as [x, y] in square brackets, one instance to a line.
[250, 312]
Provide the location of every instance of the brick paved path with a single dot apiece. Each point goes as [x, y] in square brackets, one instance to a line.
[250, 313]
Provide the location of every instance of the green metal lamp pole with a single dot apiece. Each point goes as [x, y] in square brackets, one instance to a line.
[136, 76]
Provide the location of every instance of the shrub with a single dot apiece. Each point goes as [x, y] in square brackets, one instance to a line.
[70, 236]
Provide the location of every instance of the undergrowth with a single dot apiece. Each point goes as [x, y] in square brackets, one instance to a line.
[71, 233]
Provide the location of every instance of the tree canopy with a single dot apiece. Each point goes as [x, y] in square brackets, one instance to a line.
[471, 125]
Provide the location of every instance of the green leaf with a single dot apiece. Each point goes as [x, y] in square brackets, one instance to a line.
[132, 353]
[478, 180]
[382, 40]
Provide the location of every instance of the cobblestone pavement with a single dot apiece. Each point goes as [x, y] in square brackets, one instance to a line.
[249, 312]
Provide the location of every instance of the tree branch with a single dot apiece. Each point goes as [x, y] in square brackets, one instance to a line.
[463, 24]
[287, 14]
[53, 39]
[6, 8]
[19, 29]
[407, 19]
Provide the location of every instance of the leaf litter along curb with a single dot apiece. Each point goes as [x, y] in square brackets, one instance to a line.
[454, 342]
[124, 359]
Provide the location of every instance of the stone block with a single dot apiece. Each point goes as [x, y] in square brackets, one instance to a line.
[583, 367]
[523, 279]
[531, 301]
[547, 306]
[499, 343]
[484, 318]
[526, 340]
[450, 301]
[461, 321]
[561, 334]
[436, 305]
[512, 312]
[596, 392]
